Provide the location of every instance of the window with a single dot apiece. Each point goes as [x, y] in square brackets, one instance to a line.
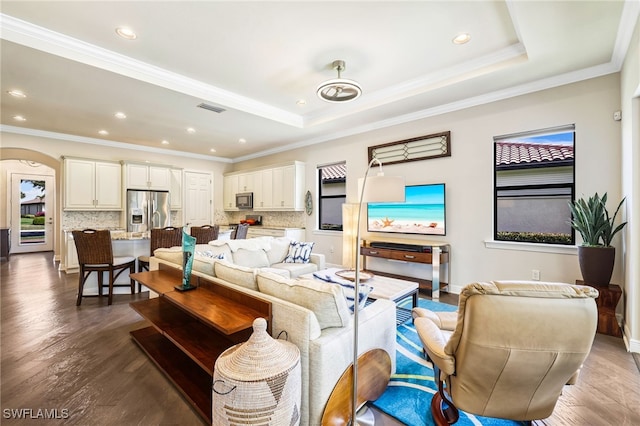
[534, 182]
[332, 194]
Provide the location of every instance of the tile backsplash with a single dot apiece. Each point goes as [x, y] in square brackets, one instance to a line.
[276, 219]
[89, 219]
[111, 219]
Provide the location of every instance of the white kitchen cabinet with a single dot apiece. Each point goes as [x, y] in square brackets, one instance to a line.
[176, 189]
[246, 182]
[263, 191]
[92, 185]
[278, 188]
[285, 189]
[145, 176]
[230, 190]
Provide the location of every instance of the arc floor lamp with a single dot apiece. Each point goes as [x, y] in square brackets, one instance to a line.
[374, 189]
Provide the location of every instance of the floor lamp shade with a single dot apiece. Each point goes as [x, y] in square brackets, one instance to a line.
[382, 189]
[349, 234]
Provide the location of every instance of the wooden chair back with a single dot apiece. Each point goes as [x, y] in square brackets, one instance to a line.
[205, 233]
[93, 247]
[165, 237]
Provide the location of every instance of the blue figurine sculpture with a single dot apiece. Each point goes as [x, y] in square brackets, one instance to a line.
[188, 250]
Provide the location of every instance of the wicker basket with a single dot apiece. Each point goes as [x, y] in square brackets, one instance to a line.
[258, 382]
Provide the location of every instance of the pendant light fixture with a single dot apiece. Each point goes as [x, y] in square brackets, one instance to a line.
[339, 90]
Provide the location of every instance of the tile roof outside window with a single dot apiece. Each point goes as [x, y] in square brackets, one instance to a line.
[334, 173]
[518, 153]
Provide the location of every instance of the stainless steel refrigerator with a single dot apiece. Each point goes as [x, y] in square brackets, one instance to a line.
[147, 209]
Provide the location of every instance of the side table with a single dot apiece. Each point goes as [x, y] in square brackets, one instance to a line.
[607, 302]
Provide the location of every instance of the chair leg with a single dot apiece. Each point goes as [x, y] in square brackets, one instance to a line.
[110, 286]
[132, 270]
[81, 279]
[142, 266]
[100, 282]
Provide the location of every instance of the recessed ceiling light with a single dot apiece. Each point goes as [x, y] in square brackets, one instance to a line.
[19, 118]
[191, 130]
[461, 38]
[126, 33]
[120, 115]
[242, 140]
[103, 132]
[165, 142]
[212, 150]
[17, 93]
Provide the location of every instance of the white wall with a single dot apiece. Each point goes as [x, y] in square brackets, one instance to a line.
[630, 90]
[468, 173]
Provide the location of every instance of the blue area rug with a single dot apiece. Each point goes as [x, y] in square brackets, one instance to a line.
[408, 396]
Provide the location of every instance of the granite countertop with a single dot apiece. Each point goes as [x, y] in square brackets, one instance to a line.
[118, 234]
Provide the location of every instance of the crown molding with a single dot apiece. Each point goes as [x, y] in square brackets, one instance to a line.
[36, 37]
[111, 144]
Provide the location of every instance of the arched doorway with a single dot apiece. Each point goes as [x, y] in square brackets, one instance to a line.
[54, 164]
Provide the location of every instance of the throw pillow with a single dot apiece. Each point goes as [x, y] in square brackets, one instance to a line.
[212, 255]
[299, 252]
[348, 287]
[325, 300]
[279, 249]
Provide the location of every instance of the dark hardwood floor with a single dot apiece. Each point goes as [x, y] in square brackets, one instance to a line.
[80, 365]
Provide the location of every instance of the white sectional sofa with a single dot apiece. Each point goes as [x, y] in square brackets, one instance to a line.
[262, 254]
[311, 314]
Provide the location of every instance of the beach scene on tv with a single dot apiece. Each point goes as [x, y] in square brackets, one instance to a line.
[423, 212]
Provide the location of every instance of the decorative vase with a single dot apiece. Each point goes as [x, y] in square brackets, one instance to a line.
[596, 264]
[188, 250]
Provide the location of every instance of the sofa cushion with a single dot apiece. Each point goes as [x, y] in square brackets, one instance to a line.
[325, 300]
[279, 249]
[251, 258]
[299, 252]
[280, 271]
[236, 274]
[296, 269]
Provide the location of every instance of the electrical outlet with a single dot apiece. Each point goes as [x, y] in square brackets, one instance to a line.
[331, 250]
[535, 275]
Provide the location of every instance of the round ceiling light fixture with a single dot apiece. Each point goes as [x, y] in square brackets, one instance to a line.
[339, 90]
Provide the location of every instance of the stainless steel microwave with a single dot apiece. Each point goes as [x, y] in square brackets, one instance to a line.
[244, 200]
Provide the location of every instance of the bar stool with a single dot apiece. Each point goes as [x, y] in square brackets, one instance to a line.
[95, 254]
[205, 233]
[160, 237]
[241, 231]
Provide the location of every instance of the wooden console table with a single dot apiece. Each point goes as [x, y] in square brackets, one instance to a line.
[438, 256]
[191, 329]
[607, 302]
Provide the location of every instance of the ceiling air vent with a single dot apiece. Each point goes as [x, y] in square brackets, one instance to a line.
[211, 108]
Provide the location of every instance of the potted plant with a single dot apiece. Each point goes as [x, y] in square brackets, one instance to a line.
[596, 255]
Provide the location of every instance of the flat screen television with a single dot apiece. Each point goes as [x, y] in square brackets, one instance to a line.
[423, 212]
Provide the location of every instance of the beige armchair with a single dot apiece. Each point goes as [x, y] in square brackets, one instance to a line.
[509, 349]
